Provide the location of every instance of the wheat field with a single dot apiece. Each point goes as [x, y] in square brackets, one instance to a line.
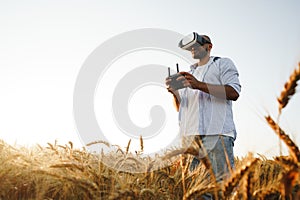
[63, 172]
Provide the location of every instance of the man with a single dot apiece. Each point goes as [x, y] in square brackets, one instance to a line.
[204, 101]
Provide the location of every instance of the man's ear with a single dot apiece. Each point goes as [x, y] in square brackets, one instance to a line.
[208, 47]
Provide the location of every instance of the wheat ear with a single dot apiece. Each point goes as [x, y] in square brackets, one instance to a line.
[98, 142]
[141, 143]
[294, 150]
[286, 162]
[236, 177]
[128, 145]
[289, 89]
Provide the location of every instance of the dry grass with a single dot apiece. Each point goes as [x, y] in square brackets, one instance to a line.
[63, 172]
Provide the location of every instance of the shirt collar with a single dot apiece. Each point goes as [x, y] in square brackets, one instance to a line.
[194, 66]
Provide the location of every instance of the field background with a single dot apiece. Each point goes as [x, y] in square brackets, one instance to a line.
[64, 172]
[43, 45]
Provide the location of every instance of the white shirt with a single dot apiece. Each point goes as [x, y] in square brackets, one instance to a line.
[203, 114]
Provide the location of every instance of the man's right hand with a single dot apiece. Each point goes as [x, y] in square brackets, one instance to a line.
[169, 87]
[175, 82]
[174, 92]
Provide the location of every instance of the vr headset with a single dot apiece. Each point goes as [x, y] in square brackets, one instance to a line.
[194, 38]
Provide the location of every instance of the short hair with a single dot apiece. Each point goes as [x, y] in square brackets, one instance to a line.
[207, 38]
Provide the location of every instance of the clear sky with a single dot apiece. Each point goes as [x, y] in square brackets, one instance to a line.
[43, 45]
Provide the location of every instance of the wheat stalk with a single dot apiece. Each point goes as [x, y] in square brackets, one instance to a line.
[294, 150]
[128, 145]
[183, 168]
[249, 185]
[237, 176]
[99, 142]
[198, 191]
[288, 181]
[147, 194]
[68, 165]
[265, 193]
[289, 89]
[141, 143]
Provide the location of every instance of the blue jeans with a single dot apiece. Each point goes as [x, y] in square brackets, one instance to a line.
[218, 147]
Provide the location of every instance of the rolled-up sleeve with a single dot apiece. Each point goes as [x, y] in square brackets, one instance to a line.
[229, 74]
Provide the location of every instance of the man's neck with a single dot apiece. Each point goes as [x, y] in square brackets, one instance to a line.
[203, 61]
